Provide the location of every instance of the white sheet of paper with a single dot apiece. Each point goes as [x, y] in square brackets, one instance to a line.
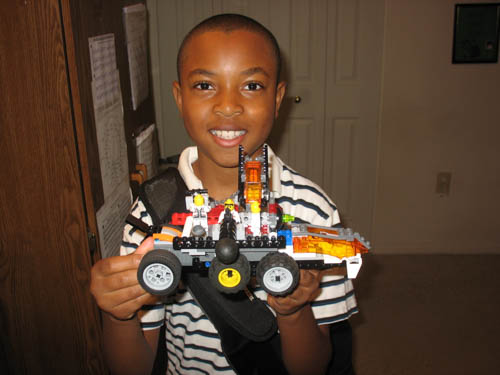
[106, 89]
[105, 77]
[111, 219]
[110, 130]
[135, 21]
[102, 54]
[145, 150]
[112, 146]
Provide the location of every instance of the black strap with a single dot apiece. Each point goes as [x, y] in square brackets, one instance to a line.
[248, 330]
[248, 317]
[163, 195]
[139, 224]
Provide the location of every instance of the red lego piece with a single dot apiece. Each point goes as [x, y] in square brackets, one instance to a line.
[179, 218]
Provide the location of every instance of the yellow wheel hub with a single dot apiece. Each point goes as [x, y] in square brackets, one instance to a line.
[229, 277]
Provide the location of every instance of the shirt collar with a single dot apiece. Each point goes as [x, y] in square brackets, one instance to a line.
[186, 160]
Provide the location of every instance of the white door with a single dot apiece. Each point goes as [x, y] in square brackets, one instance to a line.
[332, 53]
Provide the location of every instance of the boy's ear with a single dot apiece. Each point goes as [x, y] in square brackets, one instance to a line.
[176, 90]
[280, 94]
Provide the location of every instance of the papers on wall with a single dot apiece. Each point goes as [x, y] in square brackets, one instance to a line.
[113, 160]
[112, 146]
[108, 112]
[111, 220]
[145, 149]
[105, 77]
[135, 22]
[102, 54]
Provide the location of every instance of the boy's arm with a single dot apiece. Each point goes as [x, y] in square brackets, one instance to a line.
[119, 296]
[306, 347]
[127, 348]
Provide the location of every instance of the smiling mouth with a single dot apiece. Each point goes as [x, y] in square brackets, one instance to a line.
[228, 134]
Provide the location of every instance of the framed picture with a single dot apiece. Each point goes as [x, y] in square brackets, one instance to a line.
[475, 35]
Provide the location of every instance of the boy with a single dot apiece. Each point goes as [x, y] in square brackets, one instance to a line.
[228, 93]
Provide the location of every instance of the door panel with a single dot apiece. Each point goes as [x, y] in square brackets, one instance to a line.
[354, 60]
[49, 321]
[302, 118]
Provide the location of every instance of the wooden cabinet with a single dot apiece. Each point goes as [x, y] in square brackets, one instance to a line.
[50, 184]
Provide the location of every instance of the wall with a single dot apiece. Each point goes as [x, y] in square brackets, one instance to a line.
[435, 116]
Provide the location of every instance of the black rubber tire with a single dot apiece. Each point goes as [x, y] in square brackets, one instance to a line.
[230, 278]
[278, 273]
[168, 270]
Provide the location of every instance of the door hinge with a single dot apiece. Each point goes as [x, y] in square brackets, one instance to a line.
[92, 242]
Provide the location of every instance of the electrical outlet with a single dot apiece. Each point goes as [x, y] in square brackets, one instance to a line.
[443, 183]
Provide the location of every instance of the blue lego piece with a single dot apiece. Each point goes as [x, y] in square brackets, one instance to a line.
[287, 233]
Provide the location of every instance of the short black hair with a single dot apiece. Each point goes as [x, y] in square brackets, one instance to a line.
[228, 22]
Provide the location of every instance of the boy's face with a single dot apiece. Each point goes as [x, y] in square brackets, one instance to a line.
[228, 94]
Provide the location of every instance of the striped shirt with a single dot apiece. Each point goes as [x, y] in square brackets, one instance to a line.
[193, 344]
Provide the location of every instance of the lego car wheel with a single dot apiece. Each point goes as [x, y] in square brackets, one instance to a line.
[159, 272]
[230, 278]
[278, 274]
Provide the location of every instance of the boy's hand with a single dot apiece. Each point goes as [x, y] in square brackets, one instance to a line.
[114, 283]
[306, 291]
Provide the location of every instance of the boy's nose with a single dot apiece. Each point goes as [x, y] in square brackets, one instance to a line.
[228, 104]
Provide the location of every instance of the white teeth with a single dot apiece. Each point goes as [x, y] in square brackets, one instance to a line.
[228, 134]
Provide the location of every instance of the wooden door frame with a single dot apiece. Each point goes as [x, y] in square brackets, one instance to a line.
[74, 91]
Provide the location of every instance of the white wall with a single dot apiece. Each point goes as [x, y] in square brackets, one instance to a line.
[435, 116]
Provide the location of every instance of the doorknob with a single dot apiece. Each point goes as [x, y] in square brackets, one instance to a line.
[297, 99]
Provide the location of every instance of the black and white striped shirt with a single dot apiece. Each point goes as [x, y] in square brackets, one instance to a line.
[193, 344]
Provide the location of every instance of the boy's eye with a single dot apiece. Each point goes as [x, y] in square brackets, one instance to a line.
[203, 86]
[253, 86]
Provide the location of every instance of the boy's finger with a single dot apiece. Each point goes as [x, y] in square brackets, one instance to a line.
[135, 305]
[146, 245]
[125, 302]
[314, 276]
[311, 273]
[121, 280]
[109, 266]
[306, 277]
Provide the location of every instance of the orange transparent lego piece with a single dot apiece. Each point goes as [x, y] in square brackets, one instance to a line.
[253, 193]
[322, 230]
[253, 185]
[252, 171]
[328, 246]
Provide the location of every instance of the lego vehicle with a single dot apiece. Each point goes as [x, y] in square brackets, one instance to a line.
[232, 242]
